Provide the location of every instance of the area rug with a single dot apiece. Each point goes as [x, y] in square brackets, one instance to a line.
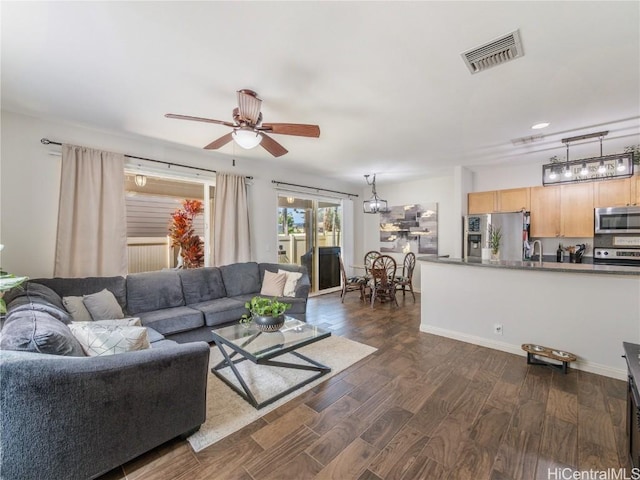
[227, 412]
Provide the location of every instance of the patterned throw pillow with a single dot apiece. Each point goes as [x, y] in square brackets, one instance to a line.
[292, 282]
[97, 339]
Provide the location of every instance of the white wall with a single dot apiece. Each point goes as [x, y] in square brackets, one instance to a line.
[425, 190]
[30, 178]
[589, 315]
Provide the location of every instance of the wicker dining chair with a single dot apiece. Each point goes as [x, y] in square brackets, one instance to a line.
[369, 257]
[351, 284]
[406, 279]
[382, 283]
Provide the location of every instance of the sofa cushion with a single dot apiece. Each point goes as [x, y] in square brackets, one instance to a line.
[201, 284]
[241, 278]
[221, 310]
[99, 339]
[103, 305]
[34, 291]
[151, 291]
[33, 296]
[77, 287]
[172, 320]
[38, 332]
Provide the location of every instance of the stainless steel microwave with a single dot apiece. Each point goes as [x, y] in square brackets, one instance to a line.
[617, 220]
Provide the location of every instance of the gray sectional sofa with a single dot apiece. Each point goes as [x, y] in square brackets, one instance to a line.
[63, 415]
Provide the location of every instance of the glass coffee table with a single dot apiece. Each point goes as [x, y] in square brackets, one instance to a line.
[246, 342]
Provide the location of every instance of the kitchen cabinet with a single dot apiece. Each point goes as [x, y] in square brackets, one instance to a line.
[481, 202]
[635, 190]
[562, 211]
[509, 200]
[612, 193]
[513, 200]
[545, 211]
[576, 210]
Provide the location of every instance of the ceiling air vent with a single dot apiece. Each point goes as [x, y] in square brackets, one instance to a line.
[496, 52]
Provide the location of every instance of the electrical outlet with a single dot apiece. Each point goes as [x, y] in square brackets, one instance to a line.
[497, 328]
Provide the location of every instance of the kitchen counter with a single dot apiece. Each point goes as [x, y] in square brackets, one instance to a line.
[534, 265]
[584, 309]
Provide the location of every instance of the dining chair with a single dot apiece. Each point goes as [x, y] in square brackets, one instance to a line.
[382, 284]
[351, 284]
[406, 279]
[369, 257]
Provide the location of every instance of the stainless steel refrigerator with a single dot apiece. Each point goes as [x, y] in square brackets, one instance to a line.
[515, 234]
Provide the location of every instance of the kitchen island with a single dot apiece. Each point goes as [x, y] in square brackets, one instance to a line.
[585, 309]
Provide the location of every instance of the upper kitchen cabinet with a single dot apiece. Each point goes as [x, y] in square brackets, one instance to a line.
[562, 211]
[510, 200]
[513, 200]
[576, 210]
[613, 193]
[545, 211]
[481, 202]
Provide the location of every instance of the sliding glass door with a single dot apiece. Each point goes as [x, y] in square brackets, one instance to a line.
[310, 234]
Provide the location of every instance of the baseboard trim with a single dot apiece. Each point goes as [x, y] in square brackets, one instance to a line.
[590, 367]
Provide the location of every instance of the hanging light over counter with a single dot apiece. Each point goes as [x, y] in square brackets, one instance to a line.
[588, 169]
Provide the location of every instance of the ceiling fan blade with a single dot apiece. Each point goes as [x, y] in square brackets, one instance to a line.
[271, 146]
[249, 106]
[198, 119]
[223, 140]
[299, 129]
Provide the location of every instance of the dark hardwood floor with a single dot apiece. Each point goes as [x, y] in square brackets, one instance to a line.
[421, 407]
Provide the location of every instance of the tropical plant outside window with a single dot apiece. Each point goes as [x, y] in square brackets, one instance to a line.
[182, 234]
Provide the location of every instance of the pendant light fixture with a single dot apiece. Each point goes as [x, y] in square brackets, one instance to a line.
[141, 180]
[588, 169]
[375, 204]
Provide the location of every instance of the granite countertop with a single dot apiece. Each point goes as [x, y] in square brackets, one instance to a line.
[534, 265]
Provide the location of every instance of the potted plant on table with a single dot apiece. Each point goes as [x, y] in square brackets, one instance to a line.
[266, 313]
[495, 237]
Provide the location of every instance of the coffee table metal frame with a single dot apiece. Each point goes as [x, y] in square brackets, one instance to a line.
[266, 359]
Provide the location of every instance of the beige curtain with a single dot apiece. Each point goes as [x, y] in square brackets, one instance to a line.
[92, 230]
[232, 242]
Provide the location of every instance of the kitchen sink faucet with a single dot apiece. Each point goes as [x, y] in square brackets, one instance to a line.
[533, 250]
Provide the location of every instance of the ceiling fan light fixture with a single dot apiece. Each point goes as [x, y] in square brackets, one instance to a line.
[247, 138]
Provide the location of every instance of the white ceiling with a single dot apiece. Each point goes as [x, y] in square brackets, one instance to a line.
[384, 80]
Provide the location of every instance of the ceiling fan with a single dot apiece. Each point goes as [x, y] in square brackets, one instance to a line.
[248, 129]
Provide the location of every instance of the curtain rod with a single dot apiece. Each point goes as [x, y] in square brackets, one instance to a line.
[46, 141]
[314, 188]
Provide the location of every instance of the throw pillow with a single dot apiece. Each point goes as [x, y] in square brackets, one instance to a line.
[103, 305]
[273, 284]
[291, 283]
[120, 322]
[75, 306]
[109, 339]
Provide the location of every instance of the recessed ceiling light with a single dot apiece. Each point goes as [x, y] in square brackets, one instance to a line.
[538, 126]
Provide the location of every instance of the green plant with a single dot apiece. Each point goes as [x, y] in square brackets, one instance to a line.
[495, 236]
[7, 282]
[264, 307]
